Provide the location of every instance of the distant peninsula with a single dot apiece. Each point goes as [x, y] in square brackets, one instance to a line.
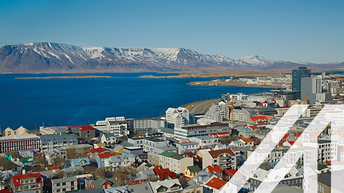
[63, 77]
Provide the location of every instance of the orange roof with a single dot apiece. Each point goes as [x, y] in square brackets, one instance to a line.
[215, 169]
[216, 153]
[216, 183]
[17, 178]
[53, 167]
[267, 117]
[248, 140]
[254, 127]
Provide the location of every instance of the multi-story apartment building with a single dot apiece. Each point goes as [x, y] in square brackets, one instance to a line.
[8, 132]
[218, 113]
[324, 148]
[20, 143]
[114, 125]
[274, 156]
[236, 97]
[153, 156]
[49, 142]
[200, 130]
[27, 182]
[205, 141]
[175, 162]
[225, 158]
[177, 117]
[182, 146]
[64, 184]
[144, 126]
[292, 178]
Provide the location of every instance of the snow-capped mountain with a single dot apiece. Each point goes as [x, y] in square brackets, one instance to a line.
[55, 57]
[255, 60]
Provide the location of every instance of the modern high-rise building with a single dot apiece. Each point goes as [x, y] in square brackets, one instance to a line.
[298, 75]
[311, 90]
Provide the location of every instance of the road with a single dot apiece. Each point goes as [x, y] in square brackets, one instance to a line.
[206, 104]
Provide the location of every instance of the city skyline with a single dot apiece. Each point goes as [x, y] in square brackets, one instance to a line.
[307, 31]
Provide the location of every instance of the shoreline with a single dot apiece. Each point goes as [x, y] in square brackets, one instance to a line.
[64, 77]
[223, 83]
[190, 106]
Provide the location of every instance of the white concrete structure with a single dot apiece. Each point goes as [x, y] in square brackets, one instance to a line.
[177, 117]
[116, 125]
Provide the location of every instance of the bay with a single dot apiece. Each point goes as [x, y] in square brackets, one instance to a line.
[30, 102]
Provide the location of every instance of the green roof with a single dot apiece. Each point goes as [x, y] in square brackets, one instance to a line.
[26, 160]
[101, 181]
[177, 156]
[167, 154]
[321, 166]
[195, 168]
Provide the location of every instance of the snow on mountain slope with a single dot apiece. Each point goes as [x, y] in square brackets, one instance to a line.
[33, 56]
[255, 60]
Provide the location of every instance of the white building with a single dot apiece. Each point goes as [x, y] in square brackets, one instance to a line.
[175, 162]
[64, 184]
[177, 117]
[116, 125]
[225, 158]
[200, 130]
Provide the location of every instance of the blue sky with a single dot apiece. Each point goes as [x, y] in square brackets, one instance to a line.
[300, 31]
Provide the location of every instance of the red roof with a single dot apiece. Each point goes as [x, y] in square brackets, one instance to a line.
[5, 191]
[99, 149]
[164, 173]
[258, 117]
[190, 154]
[219, 134]
[86, 128]
[261, 123]
[216, 183]
[254, 127]
[53, 167]
[291, 142]
[104, 155]
[215, 169]
[17, 178]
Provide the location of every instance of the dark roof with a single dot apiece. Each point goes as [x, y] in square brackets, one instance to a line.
[57, 138]
[325, 178]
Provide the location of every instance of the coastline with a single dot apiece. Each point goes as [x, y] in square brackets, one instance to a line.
[223, 83]
[63, 77]
[200, 105]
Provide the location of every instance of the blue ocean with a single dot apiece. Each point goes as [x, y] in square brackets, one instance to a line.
[56, 102]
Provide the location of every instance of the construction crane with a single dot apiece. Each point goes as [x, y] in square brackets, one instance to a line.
[232, 109]
[304, 102]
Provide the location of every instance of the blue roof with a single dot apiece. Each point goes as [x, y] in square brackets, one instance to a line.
[107, 135]
[128, 155]
[244, 130]
[76, 162]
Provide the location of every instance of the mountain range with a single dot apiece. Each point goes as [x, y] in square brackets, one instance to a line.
[46, 57]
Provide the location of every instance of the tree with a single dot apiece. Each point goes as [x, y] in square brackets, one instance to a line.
[6, 164]
[123, 137]
[71, 153]
[58, 161]
[59, 174]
